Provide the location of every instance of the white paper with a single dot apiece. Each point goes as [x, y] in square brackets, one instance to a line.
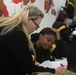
[53, 64]
[74, 32]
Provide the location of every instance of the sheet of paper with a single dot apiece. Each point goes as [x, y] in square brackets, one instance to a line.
[54, 64]
[74, 32]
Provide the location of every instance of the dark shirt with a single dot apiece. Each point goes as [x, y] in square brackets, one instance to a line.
[43, 55]
[61, 49]
[15, 56]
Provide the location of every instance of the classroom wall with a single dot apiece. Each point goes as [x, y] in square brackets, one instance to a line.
[49, 18]
[10, 7]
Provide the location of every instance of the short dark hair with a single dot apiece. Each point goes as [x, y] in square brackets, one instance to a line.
[47, 30]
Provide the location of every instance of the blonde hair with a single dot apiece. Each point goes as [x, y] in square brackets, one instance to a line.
[20, 19]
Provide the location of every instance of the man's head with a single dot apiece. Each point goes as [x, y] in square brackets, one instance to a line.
[46, 38]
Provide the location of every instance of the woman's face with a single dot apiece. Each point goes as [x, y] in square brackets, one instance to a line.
[33, 24]
[45, 41]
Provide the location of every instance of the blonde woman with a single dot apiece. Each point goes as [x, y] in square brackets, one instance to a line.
[15, 45]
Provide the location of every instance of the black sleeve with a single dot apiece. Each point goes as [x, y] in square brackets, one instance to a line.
[19, 49]
[63, 46]
[65, 33]
[69, 8]
[61, 49]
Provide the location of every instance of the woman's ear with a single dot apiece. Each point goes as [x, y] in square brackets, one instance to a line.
[29, 18]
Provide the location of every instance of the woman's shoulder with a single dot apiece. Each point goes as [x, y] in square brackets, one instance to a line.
[14, 34]
[17, 31]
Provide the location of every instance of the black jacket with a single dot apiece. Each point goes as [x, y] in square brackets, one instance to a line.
[64, 31]
[61, 49]
[69, 8]
[15, 56]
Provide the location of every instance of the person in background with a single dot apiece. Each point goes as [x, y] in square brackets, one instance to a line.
[69, 8]
[15, 47]
[62, 25]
